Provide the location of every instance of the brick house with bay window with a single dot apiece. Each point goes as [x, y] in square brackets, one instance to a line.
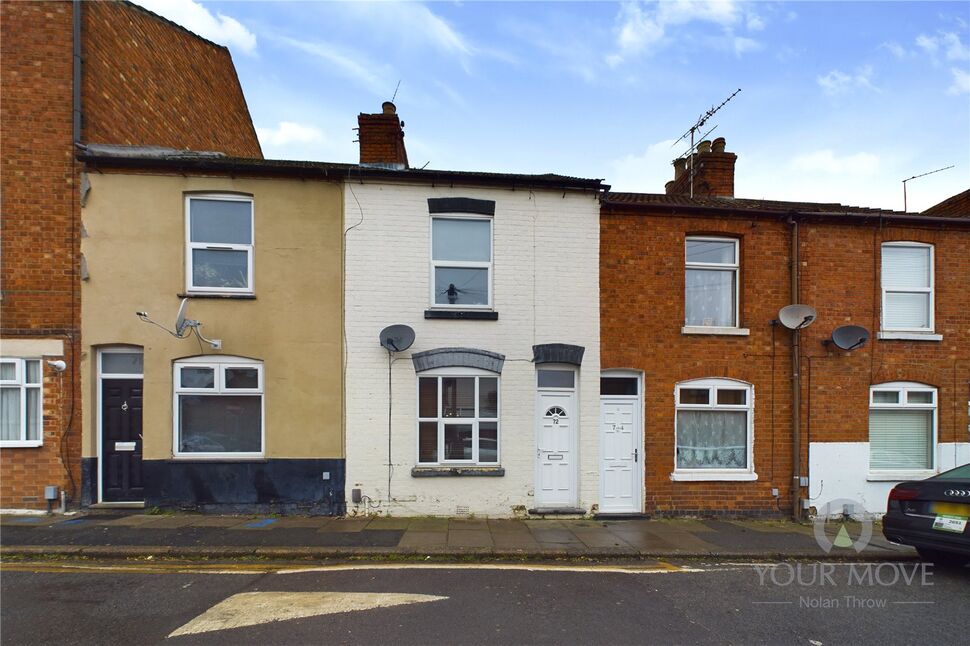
[691, 288]
[143, 81]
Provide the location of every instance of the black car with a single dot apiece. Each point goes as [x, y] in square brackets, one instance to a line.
[931, 515]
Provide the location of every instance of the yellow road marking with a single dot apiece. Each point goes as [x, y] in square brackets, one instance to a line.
[659, 567]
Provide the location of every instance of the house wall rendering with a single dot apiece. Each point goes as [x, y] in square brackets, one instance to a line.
[544, 289]
[144, 80]
[288, 324]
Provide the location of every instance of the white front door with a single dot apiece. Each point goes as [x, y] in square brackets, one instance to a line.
[555, 459]
[621, 460]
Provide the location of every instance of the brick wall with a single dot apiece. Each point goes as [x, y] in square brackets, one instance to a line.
[381, 137]
[140, 74]
[148, 81]
[642, 311]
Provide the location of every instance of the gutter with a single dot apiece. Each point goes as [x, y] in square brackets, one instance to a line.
[744, 213]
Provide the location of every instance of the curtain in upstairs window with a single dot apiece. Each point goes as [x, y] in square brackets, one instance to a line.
[709, 298]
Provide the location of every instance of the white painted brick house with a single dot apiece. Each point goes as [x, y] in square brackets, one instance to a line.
[498, 276]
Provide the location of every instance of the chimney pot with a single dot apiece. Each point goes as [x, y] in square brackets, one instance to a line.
[680, 167]
[389, 108]
[704, 146]
[719, 144]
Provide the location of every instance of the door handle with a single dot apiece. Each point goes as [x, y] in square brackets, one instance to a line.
[636, 455]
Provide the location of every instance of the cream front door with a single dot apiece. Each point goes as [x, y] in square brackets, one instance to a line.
[555, 459]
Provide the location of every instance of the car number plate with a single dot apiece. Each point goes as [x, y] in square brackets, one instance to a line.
[950, 524]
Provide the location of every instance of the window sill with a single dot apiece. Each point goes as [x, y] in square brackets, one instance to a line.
[898, 476]
[217, 458]
[909, 336]
[722, 331]
[473, 471]
[715, 476]
[467, 315]
[238, 297]
[14, 444]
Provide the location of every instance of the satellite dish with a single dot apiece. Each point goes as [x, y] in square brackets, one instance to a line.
[397, 338]
[180, 318]
[796, 317]
[850, 337]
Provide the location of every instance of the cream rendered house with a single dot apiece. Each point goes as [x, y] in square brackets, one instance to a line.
[494, 410]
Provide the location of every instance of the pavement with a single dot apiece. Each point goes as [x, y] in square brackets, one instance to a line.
[185, 535]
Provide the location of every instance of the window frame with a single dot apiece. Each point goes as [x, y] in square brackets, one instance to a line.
[219, 364]
[712, 385]
[477, 374]
[190, 246]
[20, 382]
[457, 264]
[931, 290]
[904, 388]
[735, 267]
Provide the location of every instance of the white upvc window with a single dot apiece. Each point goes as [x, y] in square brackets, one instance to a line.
[907, 287]
[458, 417]
[714, 430]
[902, 428]
[461, 262]
[21, 403]
[711, 282]
[219, 244]
[218, 408]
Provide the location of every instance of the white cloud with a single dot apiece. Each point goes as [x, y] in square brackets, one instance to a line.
[961, 82]
[826, 161]
[642, 28]
[949, 43]
[895, 49]
[838, 82]
[742, 45]
[287, 133]
[647, 171]
[219, 28]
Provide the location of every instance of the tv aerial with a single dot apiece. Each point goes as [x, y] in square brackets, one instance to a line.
[849, 337]
[183, 326]
[397, 338]
[692, 133]
[797, 317]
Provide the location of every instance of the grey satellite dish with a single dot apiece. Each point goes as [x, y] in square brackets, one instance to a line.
[796, 317]
[850, 337]
[180, 318]
[397, 338]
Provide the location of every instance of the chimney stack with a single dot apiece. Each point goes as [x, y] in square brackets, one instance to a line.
[713, 170]
[381, 138]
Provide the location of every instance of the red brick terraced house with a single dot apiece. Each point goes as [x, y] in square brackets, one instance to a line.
[697, 363]
[78, 73]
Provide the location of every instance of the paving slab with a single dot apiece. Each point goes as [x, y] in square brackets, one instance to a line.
[468, 524]
[599, 537]
[429, 524]
[174, 521]
[469, 538]
[346, 525]
[423, 539]
[211, 521]
[310, 522]
[543, 535]
[142, 520]
[518, 541]
[383, 522]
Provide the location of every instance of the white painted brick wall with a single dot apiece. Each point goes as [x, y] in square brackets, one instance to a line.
[546, 290]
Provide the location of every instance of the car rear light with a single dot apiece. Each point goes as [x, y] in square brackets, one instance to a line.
[901, 493]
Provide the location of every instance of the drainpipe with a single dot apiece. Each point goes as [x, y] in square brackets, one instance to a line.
[796, 382]
[76, 24]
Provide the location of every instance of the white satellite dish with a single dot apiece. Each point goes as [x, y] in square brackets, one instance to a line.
[796, 317]
[180, 323]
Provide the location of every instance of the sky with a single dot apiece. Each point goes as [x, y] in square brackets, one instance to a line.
[839, 101]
